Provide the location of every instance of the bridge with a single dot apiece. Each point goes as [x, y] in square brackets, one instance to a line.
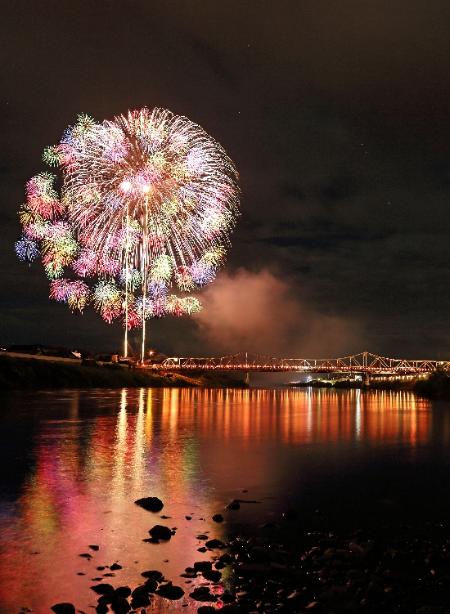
[362, 363]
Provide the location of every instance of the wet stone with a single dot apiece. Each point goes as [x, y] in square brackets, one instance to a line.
[201, 566]
[212, 575]
[217, 518]
[94, 547]
[233, 505]
[214, 543]
[115, 566]
[202, 593]
[151, 504]
[169, 591]
[123, 591]
[120, 605]
[159, 531]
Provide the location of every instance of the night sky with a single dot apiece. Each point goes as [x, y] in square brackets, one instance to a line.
[337, 116]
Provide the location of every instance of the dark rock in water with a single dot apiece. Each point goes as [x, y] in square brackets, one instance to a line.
[80, 573]
[100, 568]
[109, 575]
[151, 504]
[212, 575]
[102, 589]
[201, 566]
[202, 594]
[226, 597]
[217, 518]
[94, 547]
[165, 517]
[188, 517]
[140, 597]
[152, 574]
[120, 605]
[86, 555]
[123, 591]
[202, 537]
[170, 592]
[151, 585]
[115, 566]
[215, 543]
[202, 549]
[233, 505]
[160, 532]
[105, 599]
[102, 608]
[63, 608]
[206, 609]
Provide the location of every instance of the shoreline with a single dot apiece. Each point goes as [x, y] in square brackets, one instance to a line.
[32, 373]
[436, 386]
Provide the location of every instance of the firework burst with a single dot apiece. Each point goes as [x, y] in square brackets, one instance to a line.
[148, 201]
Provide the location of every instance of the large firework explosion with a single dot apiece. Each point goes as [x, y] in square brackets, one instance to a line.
[147, 203]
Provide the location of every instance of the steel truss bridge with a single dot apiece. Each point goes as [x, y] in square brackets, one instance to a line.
[362, 363]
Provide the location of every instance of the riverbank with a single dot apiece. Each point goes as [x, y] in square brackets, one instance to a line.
[17, 373]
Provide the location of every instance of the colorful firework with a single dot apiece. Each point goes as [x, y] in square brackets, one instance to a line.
[147, 202]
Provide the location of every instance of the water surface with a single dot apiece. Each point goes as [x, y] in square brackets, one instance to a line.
[74, 461]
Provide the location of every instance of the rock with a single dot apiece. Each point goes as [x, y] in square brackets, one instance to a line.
[227, 597]
[102, 608]
[139, 597]
[123, 591]
[151, 585]
[214, 543]
[212, 575]
[201, 566]
[94, 547]
[202, 594]
[217, 518]
[233, 505]
[169, 591]
[100, 568]
[63, 608]
[151, 504]
[159, 531]
[102, 589]
[202, 549]
[115, 566]
[86, 555]
[120, 605]
[202, 537]
[188, 517]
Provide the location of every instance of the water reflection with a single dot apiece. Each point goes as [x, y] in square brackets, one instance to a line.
[94, 453]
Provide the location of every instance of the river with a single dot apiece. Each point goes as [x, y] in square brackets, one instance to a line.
[73, 462]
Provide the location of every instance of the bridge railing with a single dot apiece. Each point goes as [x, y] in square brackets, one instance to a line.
[364, 362]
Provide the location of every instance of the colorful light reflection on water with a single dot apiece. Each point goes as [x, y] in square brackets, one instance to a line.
[85, 456]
